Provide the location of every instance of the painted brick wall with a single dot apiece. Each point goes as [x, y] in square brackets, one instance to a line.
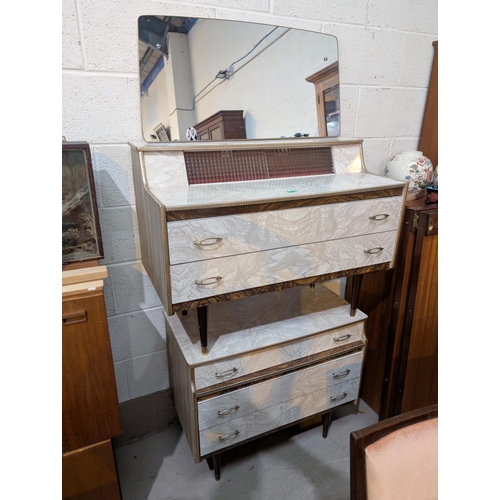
[385, 56]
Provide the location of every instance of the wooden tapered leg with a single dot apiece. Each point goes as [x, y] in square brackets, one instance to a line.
[203, 326]
[210, 463]
[356, 288]
[327, 420]
[216, 458]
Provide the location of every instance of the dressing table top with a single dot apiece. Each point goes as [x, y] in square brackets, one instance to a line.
[164, 175]
[267, 190]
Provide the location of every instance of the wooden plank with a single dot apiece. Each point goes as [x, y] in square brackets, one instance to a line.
[428, 142]
[82, 275]
[79, 288]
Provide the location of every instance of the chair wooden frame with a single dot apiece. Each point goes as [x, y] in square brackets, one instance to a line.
[362, 438]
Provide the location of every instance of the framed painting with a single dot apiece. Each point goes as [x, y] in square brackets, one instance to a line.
[81, 230]
[162, 133]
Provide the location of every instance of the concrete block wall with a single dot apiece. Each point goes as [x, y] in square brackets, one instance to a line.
[385, 57]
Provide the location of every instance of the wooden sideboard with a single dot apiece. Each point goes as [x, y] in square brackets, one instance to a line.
[222, 125]
[90, 412]
[206, 243]
[267, 368]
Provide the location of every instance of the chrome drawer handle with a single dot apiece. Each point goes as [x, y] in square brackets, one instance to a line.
[229, 436]
[379, 217]
[344, 337]
[227, 411]
[372, 251]
[226, 373]
[339, 398]
[206, 242]
[209, 281]
[342, 374]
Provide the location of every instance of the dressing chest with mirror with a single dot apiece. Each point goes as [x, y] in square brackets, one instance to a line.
[250, 233]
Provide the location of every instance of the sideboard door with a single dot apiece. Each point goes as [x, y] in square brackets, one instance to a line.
[89, 393]
[418, 376]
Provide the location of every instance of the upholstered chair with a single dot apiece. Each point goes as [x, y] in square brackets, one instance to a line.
[397, 458]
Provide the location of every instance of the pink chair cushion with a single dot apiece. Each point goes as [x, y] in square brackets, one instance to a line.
[404, 464]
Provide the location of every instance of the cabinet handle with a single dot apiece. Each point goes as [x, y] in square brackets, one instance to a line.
[344, 337]
[208, 281]
[342, 374]
[206, 242]
[229, 436]
[74, 317]
[228, 411]
[339, 398]
[379, 217]
[372, 251]
[226, 373]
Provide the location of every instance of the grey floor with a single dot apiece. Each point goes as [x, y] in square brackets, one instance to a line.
[293, 464]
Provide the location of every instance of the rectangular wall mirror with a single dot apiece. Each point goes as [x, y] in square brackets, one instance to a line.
[210, 79]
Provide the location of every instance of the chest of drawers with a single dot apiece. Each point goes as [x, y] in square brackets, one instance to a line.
[267, 366]
[206, 243]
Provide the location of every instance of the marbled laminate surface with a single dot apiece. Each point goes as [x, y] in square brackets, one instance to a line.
[257, 191]
[257, 231]
[262, 321]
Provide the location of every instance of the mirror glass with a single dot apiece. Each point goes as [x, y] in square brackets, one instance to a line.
[210, 79]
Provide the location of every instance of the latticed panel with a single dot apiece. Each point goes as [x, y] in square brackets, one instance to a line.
[204, 167]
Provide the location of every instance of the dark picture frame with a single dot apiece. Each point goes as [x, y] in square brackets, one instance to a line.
[81, 229]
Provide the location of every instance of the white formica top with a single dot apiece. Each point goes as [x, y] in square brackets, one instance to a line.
[267, 190]
[261, 321]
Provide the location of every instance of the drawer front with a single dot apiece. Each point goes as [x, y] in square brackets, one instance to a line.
[201, 239]
[197, 280]
[265, 420]
[236, 404]
[230, 370]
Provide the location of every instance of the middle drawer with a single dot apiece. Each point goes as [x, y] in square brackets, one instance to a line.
[228, 371]
[262, 395]
[207, 278]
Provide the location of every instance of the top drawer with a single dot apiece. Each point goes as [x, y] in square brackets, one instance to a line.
[229, 371]
[200, 239]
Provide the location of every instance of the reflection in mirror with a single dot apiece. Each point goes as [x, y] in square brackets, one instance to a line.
[208, 79]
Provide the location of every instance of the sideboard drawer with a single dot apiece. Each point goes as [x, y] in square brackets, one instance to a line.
[197, 280]
[258, 396]
[230, 370]
[201, 239]
[267, 419]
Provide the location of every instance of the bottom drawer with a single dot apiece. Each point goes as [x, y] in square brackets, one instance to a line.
[241, 402]
[265, 420]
